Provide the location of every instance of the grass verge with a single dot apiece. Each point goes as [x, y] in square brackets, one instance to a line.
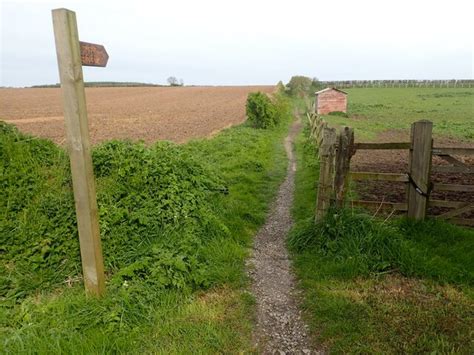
[374, 287]
[176, 225]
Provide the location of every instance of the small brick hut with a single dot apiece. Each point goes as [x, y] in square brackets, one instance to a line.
[330, 100]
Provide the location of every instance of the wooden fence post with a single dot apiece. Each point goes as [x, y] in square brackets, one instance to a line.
[420, 168]
[77, 131]
[326, 170]
[344, 153]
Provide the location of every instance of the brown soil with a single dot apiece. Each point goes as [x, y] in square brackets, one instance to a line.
[397, 161]
[149, 114]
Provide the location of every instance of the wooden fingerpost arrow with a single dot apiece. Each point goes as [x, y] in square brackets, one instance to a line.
[70, 61]
[93, 55]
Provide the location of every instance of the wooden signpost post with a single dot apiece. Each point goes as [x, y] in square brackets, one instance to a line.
[72, 55]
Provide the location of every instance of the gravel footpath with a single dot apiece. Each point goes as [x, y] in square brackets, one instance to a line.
[280, 328]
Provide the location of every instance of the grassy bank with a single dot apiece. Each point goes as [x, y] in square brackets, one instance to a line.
[374, 110]
[375, 287]
[176, 223]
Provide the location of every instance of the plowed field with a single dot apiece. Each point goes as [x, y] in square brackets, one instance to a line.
[146, 113]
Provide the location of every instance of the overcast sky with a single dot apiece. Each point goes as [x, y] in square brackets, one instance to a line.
[245, 42]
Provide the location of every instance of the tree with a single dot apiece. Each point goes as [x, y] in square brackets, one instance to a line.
[172, 81]
[299, 85]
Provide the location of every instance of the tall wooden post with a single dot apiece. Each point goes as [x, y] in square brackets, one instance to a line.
[326, 171]
[345, 150]
[77, 131]
[420, 168]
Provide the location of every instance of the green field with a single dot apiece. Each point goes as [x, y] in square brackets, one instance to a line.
[375, 286]
[374, 110]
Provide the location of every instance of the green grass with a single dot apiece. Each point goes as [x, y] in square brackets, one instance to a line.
[380, 287]
[176, 224]
[372, 111]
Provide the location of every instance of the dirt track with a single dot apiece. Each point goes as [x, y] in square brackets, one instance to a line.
[152, 113]
[280, 328]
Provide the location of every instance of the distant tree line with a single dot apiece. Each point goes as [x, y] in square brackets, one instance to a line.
[172, 81]
[103, 84]
[302, 85]
[453, 83]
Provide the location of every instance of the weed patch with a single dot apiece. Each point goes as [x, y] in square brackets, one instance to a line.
[365, 245]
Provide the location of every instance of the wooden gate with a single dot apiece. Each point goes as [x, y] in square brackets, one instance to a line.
[337, 148]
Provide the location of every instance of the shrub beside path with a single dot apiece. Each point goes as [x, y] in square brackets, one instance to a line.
[280, 328]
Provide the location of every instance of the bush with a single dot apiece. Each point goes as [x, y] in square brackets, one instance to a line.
[280, 88]
[282, 107]
[261, 111]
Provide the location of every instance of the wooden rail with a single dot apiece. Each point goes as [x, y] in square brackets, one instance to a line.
[378, 176]
[453, 169]
[360, 146]
[452, 151]
[453, 187]
[467, 207]
[397, 206]
[446, 203]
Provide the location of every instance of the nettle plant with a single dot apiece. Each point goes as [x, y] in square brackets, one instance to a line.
[155, 207]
